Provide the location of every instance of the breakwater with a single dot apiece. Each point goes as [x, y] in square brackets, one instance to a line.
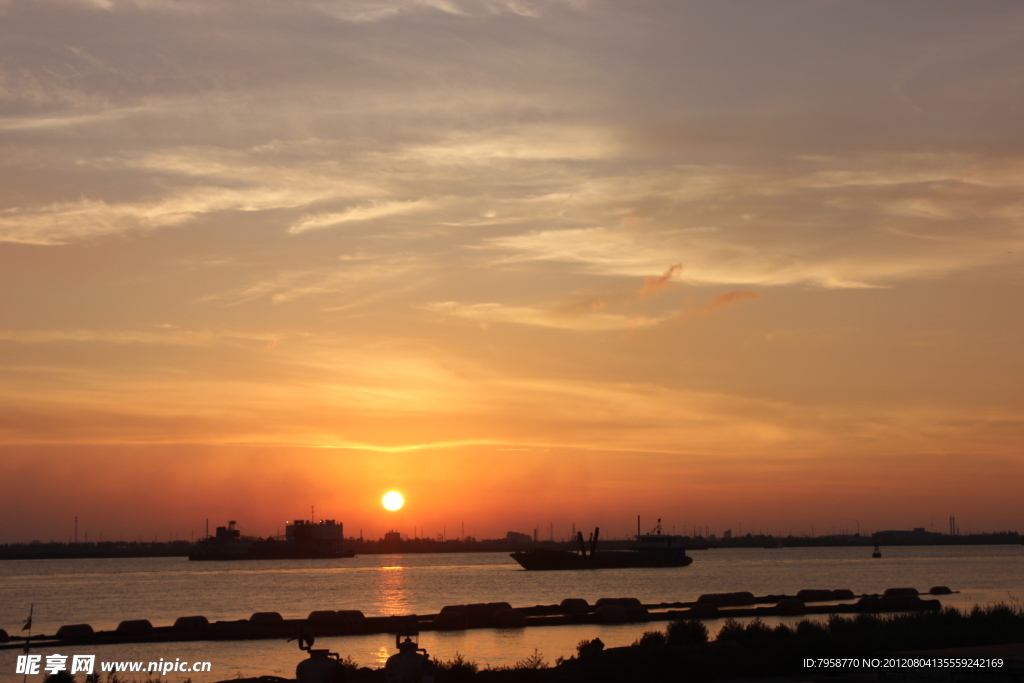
[570, 611]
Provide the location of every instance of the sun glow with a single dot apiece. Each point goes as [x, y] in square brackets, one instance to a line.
[393, 500]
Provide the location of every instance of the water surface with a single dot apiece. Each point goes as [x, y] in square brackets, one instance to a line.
[104, 592]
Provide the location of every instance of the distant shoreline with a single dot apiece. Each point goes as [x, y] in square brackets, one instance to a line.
[126, 549]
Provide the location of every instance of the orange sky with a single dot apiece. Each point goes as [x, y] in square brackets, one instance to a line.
[530, 263]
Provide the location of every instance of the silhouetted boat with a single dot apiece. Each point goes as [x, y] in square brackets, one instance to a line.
[651, 550]
[304, 540]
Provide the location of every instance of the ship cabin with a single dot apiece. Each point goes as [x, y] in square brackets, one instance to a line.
[659, 542]
[307, 530]
[227, 533]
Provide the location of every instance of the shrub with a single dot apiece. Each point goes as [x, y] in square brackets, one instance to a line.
[651, 639]
[731, 630]
[458, 668]
[531, 663]
[782, 632]
[757, 630]
[687, 632]
[587, 648]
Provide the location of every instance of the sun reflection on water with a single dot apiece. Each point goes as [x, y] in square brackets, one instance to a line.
[380, 658]
[392, 592]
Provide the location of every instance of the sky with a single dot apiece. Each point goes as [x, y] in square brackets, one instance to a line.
[737, 265]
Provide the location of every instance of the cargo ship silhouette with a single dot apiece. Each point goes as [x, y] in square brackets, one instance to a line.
[651, 550]
[303, 540]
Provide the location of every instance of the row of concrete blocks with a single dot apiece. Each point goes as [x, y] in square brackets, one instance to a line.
[743, 598]
[892, 600]
[503, 615]
[339, 622]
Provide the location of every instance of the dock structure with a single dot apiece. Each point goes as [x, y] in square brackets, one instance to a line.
[571, 611]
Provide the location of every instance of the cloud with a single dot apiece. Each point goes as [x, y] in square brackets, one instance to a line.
[868, 221]
[167, 335]
[376, 10]
[359, 213]
[523, 143]
[729, 299]
[69, 121]
[64, 222]
[358, 281]
[600, 250]
[85, 219]
[192, 183]
[593, 321]
[654, 284]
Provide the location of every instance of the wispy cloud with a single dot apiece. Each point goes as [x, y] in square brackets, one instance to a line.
[839, 230]
[600, 250]
[362, 11]
[86, 219]
[654, 284]
[214, 181]
[169, 335]
[592, 321]
[729, 299]
[359, 213]
[522, 143]
[70, 120]
[364, 279]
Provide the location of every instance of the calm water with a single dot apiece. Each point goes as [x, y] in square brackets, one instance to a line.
[105, 592]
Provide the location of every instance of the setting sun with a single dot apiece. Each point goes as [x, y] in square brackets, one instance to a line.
[393, 500]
